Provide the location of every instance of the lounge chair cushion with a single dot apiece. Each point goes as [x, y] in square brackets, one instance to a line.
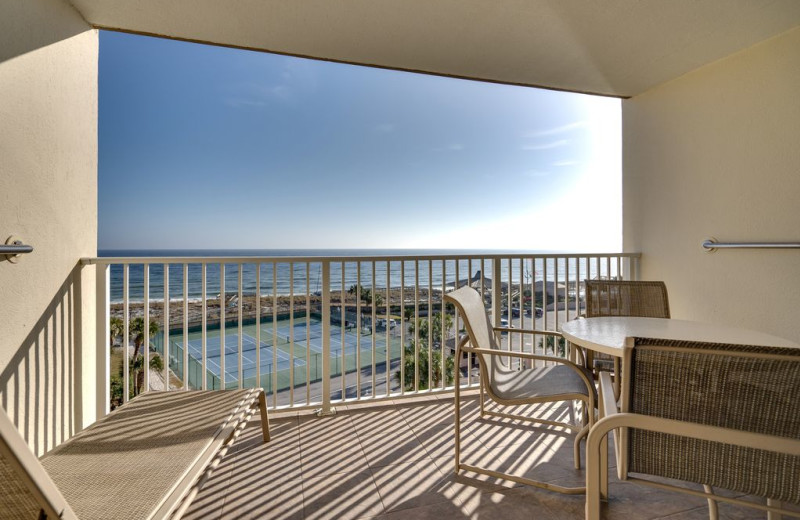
[126, 465]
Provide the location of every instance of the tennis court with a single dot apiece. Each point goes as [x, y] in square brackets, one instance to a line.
[301, 341]
[232, 355]
[303, 336]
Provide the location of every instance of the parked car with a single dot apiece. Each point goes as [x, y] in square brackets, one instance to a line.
[504, 323]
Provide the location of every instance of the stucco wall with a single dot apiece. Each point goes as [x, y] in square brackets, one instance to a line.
[48, 197]
[716, 153]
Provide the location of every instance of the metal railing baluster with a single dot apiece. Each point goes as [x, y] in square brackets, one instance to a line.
[514, 279]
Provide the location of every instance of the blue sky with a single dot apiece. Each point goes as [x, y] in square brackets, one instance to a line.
[207, 147]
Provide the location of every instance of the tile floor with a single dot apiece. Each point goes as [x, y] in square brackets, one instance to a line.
[395, 461]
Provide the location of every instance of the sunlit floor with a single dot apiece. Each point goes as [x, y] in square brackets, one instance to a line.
[395, 460]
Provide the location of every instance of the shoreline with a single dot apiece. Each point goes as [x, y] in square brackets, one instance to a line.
[279, 306]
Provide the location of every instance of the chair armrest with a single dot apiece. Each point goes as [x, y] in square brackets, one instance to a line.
[525, 355]
[607, 396]
[608, 408]
[758, 441]
[528, 331]
[514, 354]
[616, 421]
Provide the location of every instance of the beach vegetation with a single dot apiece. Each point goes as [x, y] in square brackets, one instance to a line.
[549, 344]
[115, 329]
[139, 337]
[368, 296]
[427, 362]
[156, 364]
[137, 331]
[432, 326]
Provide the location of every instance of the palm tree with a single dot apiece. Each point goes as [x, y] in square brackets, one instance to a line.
[115, 329]
[549, 343]
[156, 364]
[368, 296]
[434, 360]
[426, 362]
[137, 331]
[432, 327]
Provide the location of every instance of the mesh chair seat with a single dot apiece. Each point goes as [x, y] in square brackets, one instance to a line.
[558, 382]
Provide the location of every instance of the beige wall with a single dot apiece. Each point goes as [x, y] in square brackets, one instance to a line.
[717, 153]
[48, 197]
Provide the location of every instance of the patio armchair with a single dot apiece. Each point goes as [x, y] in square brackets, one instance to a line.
[509, 385]
[145, 460]
[724, 416]
[644, 299]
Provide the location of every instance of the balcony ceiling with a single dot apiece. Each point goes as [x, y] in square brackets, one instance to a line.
[611, 47]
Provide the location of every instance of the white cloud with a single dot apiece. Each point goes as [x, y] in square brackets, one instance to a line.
[565, 163]
[559, 129]
[545, 146]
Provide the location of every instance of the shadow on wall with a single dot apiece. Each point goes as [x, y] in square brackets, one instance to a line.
[40, 386]
[55, 21]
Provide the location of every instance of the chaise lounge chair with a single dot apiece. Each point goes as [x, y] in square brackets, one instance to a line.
[145, 460]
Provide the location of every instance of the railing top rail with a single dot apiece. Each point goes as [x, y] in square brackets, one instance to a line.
[377, 258]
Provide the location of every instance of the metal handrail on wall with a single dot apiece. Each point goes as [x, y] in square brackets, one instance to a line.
[712, 245]
[13, 248]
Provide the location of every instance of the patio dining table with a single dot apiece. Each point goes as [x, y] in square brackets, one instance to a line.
[614, 335]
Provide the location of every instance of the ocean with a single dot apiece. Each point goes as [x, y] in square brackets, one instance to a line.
[305, 277]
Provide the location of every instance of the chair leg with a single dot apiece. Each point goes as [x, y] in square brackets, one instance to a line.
[262, 407]
[593, 482]
[573, 417]
[457, 420]
[587, 422]
[482, 398]
[603, 468]
[713, 510]
[576, 445]
[773, 503]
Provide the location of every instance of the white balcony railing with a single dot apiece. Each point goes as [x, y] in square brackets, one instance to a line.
[314, 331]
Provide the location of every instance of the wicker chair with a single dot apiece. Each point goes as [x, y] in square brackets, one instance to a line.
[145, 460]
[507, 385]
[726, 416]
[623, 298]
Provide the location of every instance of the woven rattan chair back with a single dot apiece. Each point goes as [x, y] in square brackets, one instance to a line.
[744, 388]
[626, 298]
